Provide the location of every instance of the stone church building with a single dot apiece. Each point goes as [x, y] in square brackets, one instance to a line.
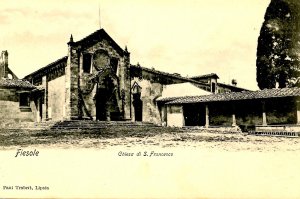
[96, 81]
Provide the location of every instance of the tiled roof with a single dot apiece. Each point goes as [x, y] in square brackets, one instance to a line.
[233, 96]
[58, 63]
[168, 99]
[16, 83]
[176, 76]
[206, 76]
[232, 87]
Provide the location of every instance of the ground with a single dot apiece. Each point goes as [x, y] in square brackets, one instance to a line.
[131, 137]
[203, 164]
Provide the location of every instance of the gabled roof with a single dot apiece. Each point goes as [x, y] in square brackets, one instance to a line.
[211, 75]
[62, 62]
[244, 95]
[96, 37]
[16, 83]
[85, 42]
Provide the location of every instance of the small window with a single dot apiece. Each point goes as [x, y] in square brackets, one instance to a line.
[87, 60]
[114, 63]
[24, 99]
[213, 87]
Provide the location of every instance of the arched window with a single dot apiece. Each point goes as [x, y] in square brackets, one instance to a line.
[86, 62]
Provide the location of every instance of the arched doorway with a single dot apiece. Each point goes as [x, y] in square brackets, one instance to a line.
[108, 102]
[138, 106]
[137, 102]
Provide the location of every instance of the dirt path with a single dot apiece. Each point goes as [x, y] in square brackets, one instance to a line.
[199, 140]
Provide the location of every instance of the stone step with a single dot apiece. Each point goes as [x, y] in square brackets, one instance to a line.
[98, 127]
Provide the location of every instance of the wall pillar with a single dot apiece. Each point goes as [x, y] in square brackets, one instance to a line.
[125, 86]
[233, 120]
[233, 116]
[45, 104]
[163, 115]
[183, 119]
[206, 116]
[264, 115]
[72, 106]
[298, 111]
[38, 117]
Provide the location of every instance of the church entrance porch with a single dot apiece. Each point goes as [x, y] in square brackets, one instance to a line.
[107, 108]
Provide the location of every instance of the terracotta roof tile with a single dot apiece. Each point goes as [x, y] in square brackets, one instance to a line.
[168, 74]
[16, 83]
[237, 89]
[205, 76]
[58, 63]
[232, 96]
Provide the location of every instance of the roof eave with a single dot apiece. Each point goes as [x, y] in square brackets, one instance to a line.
[47, 67]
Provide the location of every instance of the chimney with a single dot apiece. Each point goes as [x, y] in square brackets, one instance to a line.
[234, 82]
[3, 64]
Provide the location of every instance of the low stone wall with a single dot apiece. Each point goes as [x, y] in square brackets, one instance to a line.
[278, 128]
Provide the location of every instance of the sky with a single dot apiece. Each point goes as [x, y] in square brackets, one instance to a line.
[191, 37]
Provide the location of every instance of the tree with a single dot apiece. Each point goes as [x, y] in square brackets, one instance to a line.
[278, 49]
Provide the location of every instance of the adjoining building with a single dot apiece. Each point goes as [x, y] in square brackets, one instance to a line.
[265, 110]
[16, 103]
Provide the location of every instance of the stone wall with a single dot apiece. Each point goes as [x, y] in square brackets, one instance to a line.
[149, 92]
[89, 103]
[10, 110]
[152, 84]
